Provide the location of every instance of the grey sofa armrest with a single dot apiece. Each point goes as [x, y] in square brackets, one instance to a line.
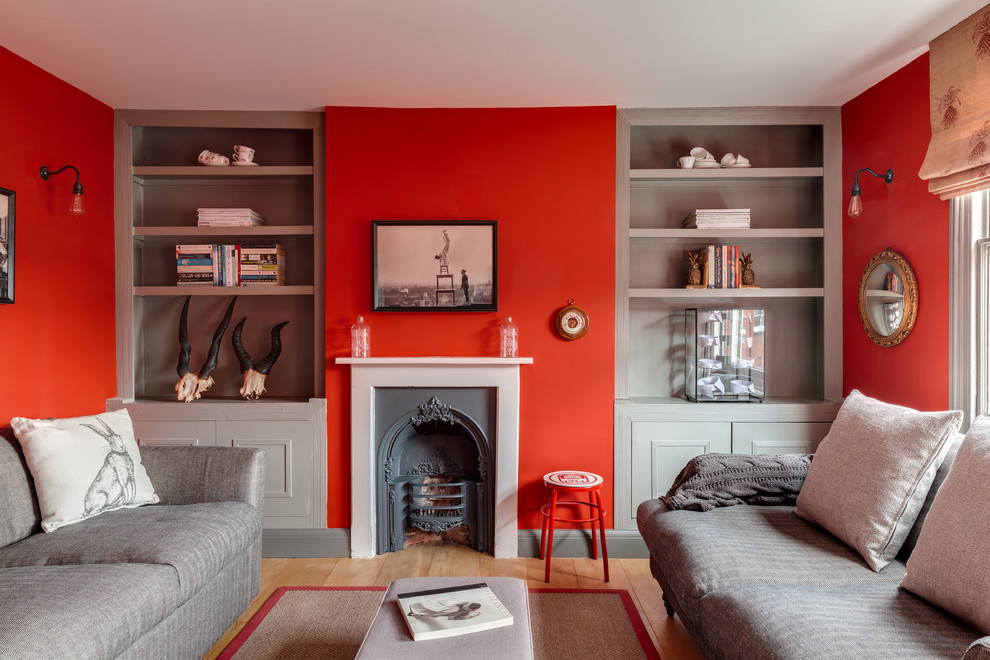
[978, 650]
[188, 475]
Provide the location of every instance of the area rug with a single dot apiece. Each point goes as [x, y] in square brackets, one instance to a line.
[329, 623]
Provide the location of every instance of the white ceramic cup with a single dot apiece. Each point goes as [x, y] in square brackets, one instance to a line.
[243, 154]
[685, 162]
[207, 157]
[741, 160]
[700, 153]
[728, 159]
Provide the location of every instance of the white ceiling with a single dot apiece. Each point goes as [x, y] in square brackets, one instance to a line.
[305, 54]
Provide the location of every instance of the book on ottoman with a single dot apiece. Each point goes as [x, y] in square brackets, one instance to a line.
[450, 611]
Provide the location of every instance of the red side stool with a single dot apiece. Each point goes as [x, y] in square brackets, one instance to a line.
[573, 482]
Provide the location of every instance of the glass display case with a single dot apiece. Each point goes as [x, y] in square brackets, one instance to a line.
[725, 354]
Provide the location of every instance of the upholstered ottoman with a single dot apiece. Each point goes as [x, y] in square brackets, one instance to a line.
[389, 636]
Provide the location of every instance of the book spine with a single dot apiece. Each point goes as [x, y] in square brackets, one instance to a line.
[710, 266]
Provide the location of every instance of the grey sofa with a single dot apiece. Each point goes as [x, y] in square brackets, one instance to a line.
[159, 581]
[760, 582]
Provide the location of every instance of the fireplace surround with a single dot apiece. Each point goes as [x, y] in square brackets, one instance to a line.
[369, 375]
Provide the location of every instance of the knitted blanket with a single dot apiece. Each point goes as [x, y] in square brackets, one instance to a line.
[713, 480]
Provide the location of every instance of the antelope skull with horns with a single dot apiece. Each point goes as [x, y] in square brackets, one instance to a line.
[192, 385]
[255, 374]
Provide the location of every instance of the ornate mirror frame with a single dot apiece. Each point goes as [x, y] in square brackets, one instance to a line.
[888, 280]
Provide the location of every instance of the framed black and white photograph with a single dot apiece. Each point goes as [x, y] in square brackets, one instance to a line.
[6, 245]
[435, 266]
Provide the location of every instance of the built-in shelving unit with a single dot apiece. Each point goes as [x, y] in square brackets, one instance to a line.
[159, 187]
[794, 194]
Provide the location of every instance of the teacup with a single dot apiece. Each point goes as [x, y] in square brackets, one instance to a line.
[741, 160]
[728, 160]
[686, 162]
[207, 157]
[243, 154]
[700, 153]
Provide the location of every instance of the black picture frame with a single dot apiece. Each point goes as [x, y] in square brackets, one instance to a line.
[7, 208]
[434, 266]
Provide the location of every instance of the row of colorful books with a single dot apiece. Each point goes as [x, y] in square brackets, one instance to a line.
[221, 264]
[722, 269]
[718, 219]
[227, 217]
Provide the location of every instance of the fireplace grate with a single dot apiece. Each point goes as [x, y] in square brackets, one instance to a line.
[437, 506]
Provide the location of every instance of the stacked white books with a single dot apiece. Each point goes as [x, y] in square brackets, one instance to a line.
[718, 219]
[225, 217]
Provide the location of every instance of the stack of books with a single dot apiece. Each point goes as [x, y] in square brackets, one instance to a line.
[194, 265]
[220, 264]
[722, 270]
[223, 217]
[718, 219]
[262, 265]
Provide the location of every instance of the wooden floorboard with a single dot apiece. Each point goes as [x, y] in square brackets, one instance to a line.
[443, 559]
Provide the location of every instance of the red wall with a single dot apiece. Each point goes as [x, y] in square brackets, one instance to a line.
[547, 176]
[887, 126]
[57, 339]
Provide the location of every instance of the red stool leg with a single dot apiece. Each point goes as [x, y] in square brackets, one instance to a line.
[553, 517]
[591, 516]
[543, 512]
[601, 523]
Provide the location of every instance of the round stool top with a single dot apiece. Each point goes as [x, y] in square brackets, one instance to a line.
[576, 479]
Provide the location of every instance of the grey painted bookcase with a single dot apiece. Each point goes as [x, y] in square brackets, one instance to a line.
[159, 187]
[794, 192]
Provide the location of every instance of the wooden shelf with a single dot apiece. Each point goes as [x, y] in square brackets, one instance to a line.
[304, 290]
[724, 294]
[208, 232]
[747, 235]
[726, 174]
[140, 173]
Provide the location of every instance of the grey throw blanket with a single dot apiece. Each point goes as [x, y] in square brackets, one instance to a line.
[713, 480]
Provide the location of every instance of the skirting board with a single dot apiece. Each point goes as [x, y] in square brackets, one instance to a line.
[336, 543]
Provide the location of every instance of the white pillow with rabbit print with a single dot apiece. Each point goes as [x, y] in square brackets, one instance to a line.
[83, 466]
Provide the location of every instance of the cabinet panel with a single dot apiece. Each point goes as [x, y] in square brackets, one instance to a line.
[662, 449]
[778, 437]
[168, 433]
[289, 454]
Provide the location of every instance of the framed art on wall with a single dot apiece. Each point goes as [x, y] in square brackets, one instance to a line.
[6, 245]
[435, 265]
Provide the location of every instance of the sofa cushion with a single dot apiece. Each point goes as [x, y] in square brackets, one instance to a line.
[699, 553]
[872, 472]
[197, 540]
[949, 564]
[83, 466]
[850, 621]
[85, 611]
[19, 515]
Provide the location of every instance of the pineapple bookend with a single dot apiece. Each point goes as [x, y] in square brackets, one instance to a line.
[746, 274]
[696, 264]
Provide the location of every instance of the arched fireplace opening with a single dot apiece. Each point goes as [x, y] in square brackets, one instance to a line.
[434, 480]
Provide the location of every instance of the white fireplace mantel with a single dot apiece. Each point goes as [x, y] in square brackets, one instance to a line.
[374, 372]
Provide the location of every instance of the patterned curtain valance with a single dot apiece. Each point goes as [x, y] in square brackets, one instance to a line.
[958, 159]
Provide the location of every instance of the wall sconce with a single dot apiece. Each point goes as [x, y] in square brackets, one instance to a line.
[855, 201]
[77, 207]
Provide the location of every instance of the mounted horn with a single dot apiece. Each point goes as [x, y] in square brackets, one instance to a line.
[192, 385]
[255, 374]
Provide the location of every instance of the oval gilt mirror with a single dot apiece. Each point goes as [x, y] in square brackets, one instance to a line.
[888, 298]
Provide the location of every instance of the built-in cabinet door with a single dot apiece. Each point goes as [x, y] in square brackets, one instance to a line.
[661, 449]
[156, 433]
[778, 437]
[288, 449]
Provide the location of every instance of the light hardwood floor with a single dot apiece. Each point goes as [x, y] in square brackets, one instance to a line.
[440, 559]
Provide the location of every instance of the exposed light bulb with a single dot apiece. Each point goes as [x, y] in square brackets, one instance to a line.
[855, 206]
[78, 206]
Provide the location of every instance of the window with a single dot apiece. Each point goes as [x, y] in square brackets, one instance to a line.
[969, 306]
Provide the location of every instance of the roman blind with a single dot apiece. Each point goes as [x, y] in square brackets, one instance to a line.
[958, 159]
